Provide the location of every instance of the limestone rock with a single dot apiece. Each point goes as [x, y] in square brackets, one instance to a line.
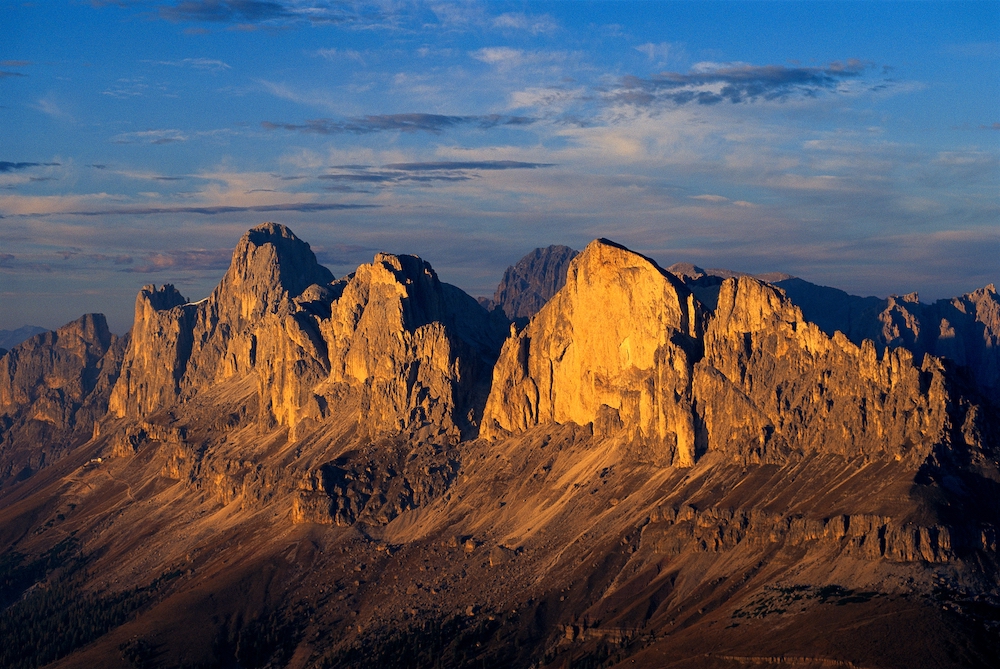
[53, 387]
[528, 285]
[616, 343]
[417, 350]
[412, 349]
[770, 381]
[180, 348]
[965, 329]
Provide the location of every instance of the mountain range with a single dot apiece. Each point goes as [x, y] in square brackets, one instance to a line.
[606, 464]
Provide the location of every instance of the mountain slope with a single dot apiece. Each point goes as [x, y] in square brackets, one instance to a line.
[361, 472]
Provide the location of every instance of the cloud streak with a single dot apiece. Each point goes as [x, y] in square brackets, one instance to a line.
[212, 259]
[467, 165]
[155, 137]
[208, 64]
[6, 166]
[712, 83]
[209, 210]
[270, 13]
[434, 124]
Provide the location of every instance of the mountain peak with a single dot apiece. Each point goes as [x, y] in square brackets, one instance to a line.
[620, 323]
[270, 262]
[529, 284]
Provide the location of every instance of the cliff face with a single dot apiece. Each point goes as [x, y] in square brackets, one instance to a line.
[964, 329]
[179, 349]
[627, 347]
[614, 347]
[412, 349]
[54, 386]
[532, 281]
[772, 383]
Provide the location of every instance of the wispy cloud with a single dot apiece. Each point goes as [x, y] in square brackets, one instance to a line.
[4, 74]
[662, 51]
[50, 107]
[225, 11]
[182, 260]
[162, 136]
[711, 83]
[208, 64]
[272, 13]
[219, 209]
[507, 58]
[521, 21]
[15, 63]
[338, 54]
[410, 123]
[6, 166]
[467, 165]
[127, 88]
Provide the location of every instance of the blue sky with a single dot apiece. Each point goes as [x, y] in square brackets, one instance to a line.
[853, 144]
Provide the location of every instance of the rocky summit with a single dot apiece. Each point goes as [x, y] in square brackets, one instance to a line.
[615, 465]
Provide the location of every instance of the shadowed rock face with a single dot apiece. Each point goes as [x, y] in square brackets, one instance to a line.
[772, 384]
[289, 475]
[964, 330]
[528, 285]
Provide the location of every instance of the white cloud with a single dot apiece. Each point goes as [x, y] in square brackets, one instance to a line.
[662, 52]
[50, 107]
[207, 64]
[520, 21]
[333, 54]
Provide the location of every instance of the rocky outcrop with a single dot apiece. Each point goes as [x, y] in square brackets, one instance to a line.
[180, 348]
[676, 531]
[417, 351]
[615, 347]
[965, 329]
[413, 350]
[771, 383]
[625, 346]
[528, 285]
[54, 386]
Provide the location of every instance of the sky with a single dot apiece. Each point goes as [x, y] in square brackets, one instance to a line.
[853, 144]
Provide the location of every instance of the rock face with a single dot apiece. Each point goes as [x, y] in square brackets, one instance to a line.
[180, 348]
[528, 285]
[627, 347]
[614, 347]
[772, 383]
[965, 329]
[411, 349]
[54, 386]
